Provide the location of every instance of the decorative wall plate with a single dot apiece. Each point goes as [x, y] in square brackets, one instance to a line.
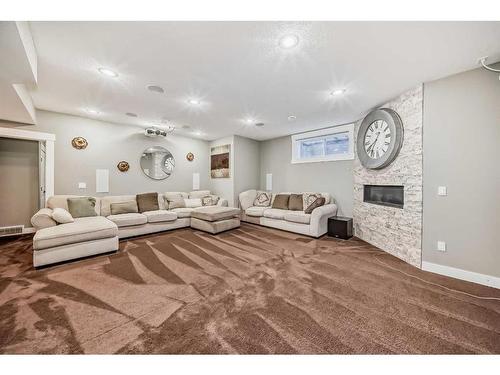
[79, 143]
[123, 166]
[190, 156]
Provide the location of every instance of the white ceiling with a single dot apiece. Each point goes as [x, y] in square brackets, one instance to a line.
[238, 70]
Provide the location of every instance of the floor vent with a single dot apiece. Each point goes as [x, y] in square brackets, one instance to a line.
[8, 231]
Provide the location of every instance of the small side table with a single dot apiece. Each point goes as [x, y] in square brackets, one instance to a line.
[340, 227]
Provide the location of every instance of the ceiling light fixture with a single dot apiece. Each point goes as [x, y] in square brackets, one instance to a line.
[292, 118]
[194, 101]
[108, 72]
[289, 41]
[337, 92]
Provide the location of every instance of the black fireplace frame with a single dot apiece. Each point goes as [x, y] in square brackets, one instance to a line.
[397, 202]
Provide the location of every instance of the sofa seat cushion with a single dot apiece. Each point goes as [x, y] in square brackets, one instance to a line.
[215, 213]
[126, 220]
[81, 230]
[160, 215]
[183, 212]
[256, 211]
[298, 217]
[275, 213]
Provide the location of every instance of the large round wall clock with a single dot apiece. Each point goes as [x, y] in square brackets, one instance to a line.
[380, 137]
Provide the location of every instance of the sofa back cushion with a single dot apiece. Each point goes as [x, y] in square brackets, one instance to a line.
[295, 203]
[61, 201]
[147, 202]
[281, 201]
[82, 207]
[199, 194]
[127, 207]
[107, 201]
[176, 203]
[247, 198]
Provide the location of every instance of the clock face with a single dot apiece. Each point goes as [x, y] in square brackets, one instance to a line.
[377, 139]
[380, 137]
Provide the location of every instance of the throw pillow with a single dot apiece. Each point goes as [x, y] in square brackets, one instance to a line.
[127, 207]
[193, 203]
[147, 202]
[62, 216]
[317, 203]
[308, 198]
[281, 201]
[209, 200]
[262, 199]
[296, 202]
[176, 203]
[81, 207]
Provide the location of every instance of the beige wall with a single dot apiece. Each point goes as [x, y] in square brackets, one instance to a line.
[334, 177]
[247, 165]
[18, 181]
[110, 143]
[462, 152]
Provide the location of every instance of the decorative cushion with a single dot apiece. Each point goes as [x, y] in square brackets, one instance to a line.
[281, 201]
[255, 211]
[275, 213]
[62, 216]
[176, 203]
[128, 207]
[296, 202]
[209, 200]
[43, 219]
[198, 194]
[160, 216]
[171, 195]
[318, 202]
[147, 202]
[82, 207]
[298, 217]
[126, 220]
[183, 212]
[193, 203]
[308, 198]
[263, 199]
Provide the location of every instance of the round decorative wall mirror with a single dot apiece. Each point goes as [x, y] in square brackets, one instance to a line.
[157, 162]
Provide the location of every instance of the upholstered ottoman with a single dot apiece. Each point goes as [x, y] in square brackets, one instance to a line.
[215, 219]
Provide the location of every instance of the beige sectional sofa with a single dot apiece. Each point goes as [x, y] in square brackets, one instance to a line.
[314, 224]
[53, 243]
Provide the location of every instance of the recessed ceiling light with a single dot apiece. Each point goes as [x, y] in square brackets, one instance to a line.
[249, 120]
[337, 92]
[289, 41]
[108, 72]
[155, 88]
[92, 111]
[130, 114]
[197, 133]
[292, 118]
[194, 101]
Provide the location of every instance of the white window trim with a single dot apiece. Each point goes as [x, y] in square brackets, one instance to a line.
[349, 128]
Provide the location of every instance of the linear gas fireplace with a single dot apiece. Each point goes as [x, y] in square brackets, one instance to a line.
[384, 195]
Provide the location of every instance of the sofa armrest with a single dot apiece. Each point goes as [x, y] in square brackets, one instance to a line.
[43, 219]
[319, 219]
[247, 198]
[222, 203]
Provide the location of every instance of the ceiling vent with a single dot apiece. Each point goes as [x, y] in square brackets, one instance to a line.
[155, 88]
[259, 124]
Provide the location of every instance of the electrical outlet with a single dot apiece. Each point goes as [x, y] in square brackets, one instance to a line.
[442, 190]
[441, 246]
[82, 185]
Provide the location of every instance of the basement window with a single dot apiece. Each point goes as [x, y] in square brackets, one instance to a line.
[330, 144]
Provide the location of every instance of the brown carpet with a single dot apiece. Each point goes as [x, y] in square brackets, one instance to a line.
[250, 290]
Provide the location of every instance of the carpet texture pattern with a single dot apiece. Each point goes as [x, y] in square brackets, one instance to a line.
[250, 290]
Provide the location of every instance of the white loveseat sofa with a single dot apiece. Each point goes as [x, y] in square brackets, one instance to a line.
[86, 236]
[314, 224]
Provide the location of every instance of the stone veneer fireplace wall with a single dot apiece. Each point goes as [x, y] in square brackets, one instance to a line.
[397, 231]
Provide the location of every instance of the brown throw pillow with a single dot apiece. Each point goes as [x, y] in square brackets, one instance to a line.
[281, 201]
[317, 203]
[81, 207]
[127, 207]
[147, 202]
[295, 202]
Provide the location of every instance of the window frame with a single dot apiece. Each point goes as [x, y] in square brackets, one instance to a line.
[296, 138]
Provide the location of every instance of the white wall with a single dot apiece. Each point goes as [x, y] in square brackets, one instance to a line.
[110, 143]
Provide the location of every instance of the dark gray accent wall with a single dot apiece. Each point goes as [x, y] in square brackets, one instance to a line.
[462, 152]
[334, 177]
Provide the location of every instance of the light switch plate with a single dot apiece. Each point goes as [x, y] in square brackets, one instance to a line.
[442, 190]
[441, 246]
[82, 185]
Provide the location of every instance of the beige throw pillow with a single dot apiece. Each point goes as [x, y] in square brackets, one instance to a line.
[127, 207]
[263, 199]
[176, 203]
[62, 216]
[193, 203]
[82, 207]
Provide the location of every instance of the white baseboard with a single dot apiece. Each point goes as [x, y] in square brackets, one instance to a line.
[458, 273]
